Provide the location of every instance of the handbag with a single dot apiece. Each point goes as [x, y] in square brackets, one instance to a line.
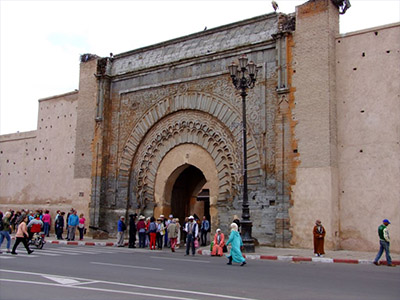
[196, 243]
[224, 249]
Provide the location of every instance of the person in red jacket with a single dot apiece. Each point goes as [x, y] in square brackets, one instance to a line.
[35, 226]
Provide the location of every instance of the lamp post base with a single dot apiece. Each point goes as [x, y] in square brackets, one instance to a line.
[248, 241]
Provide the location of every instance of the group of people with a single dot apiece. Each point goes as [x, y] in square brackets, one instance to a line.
[26, 223]
[72, 222]
[156, 233]
[153, 233]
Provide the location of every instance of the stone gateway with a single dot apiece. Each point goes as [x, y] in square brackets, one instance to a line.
[158, 130]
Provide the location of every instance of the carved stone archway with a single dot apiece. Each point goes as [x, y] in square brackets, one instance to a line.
[195, 118]
[186, 127]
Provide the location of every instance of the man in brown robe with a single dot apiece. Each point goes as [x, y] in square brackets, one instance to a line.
[319, 237]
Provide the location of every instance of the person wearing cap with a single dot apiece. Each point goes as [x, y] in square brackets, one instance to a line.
[160, 233]
[121, 231]
[384, 242]
[192, 231]
[319, 238]
[167, 242]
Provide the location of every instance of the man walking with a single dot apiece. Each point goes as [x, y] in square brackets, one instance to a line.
[192, 233]
[384, 241]
[205, 227]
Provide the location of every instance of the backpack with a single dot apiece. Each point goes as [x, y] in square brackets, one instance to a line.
[1, 225]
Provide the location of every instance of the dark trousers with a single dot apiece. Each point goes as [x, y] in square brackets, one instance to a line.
[132, 239]
[203, 237]
[19, 240]
[166, 239]
[190, 243]
[159, 239]
[60, 231]
[81, 232]
[142, 239]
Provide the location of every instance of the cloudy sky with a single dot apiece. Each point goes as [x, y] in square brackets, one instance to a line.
[41, 41]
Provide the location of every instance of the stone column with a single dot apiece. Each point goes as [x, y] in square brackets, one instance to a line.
[315, 192]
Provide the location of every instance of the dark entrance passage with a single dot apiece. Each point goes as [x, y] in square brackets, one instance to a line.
[184, 200]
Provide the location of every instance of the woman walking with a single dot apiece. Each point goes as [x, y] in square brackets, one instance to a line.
[21, 236]
[236, 241]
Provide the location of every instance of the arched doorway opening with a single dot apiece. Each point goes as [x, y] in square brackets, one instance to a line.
[185, 198]
[187, 183]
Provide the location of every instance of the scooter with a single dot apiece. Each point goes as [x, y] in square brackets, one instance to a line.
[38, 240]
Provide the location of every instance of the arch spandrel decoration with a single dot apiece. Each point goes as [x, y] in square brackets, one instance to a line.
[195, 118]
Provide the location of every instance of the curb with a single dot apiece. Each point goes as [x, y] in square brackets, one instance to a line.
[77, 243]
[305, 259]
[295, 259]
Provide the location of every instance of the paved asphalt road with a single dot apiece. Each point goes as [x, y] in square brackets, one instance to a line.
[74, 272]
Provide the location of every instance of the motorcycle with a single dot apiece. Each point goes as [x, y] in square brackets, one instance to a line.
[38, 240]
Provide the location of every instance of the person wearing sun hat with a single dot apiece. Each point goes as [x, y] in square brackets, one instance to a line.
[384, 242]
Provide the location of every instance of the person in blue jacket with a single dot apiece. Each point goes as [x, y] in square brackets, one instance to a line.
[73, 221]
[236, 241]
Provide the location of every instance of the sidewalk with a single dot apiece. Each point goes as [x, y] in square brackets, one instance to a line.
[268, 253]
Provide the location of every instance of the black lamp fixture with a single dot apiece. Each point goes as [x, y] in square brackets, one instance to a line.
[244, 77]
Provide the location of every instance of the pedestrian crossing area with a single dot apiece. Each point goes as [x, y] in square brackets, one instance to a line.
[67, 251]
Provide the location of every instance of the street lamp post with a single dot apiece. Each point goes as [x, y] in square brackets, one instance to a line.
[243, 78]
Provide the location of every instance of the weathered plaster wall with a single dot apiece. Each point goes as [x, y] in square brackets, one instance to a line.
[368, 97]
[37, 167]
[314, 194]
[50, 168]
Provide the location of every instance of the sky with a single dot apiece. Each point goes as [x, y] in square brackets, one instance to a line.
[41, 41]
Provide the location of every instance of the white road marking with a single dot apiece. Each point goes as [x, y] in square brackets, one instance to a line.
[75, 251]
[182, 259]
[94, 289]
[62, 280]
[120, 284]
[45, 252]
[125, 266]
[58, 251]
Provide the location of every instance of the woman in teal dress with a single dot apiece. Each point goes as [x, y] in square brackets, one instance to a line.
[236, 241]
